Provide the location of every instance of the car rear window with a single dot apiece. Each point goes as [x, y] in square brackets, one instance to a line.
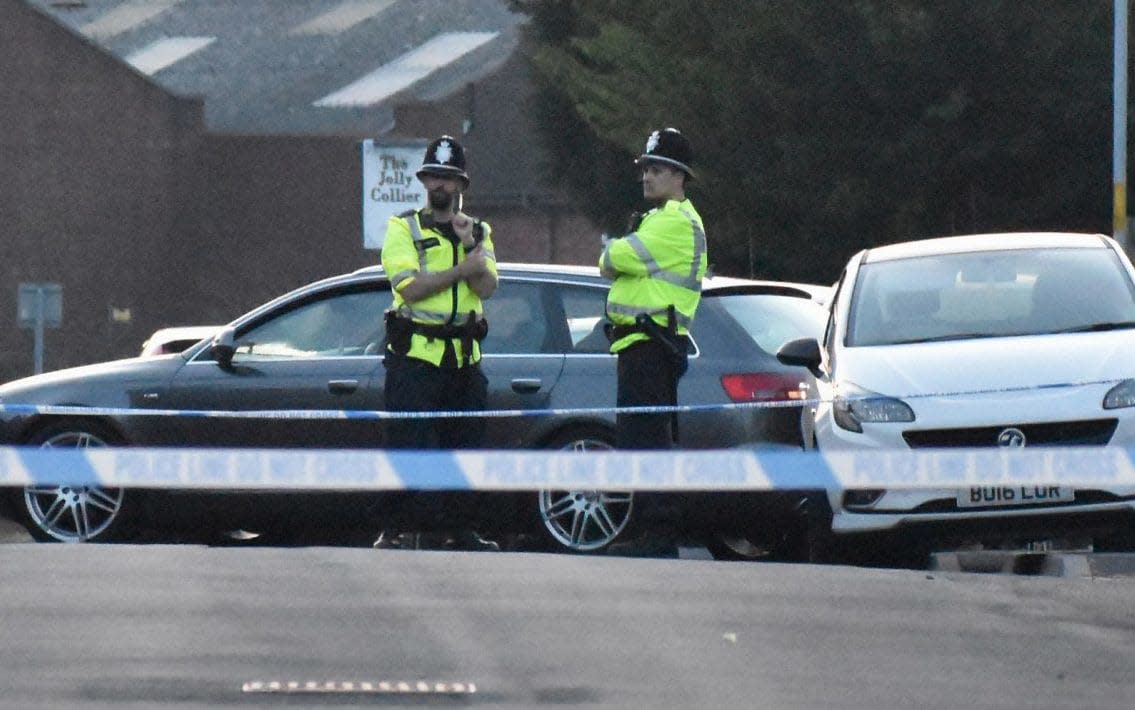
[772, 320]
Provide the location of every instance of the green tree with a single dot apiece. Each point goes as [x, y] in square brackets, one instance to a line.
[821, 128]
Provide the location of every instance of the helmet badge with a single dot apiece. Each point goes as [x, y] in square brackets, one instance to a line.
[652, 142]
[444, 152]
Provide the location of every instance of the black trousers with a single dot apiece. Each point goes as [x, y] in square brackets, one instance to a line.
[648, 376]
[414, 385]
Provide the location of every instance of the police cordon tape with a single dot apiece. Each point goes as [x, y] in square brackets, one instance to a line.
[738, 469]
[742, 468]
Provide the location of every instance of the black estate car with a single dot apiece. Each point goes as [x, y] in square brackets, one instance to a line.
[319, 347]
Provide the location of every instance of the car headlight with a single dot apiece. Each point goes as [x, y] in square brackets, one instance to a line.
[854, 406]
[1120, 396]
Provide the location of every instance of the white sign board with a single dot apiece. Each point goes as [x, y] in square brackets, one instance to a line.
[389, 186]
[39, 304]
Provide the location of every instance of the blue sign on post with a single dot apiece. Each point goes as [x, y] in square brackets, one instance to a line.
[39, 306]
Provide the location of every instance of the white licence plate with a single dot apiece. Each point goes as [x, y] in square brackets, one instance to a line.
[992, 496]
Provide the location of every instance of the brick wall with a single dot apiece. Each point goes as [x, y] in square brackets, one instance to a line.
[92, 157]
[112, 188]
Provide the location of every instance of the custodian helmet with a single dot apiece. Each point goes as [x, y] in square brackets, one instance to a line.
[669, 146]
[444, 157]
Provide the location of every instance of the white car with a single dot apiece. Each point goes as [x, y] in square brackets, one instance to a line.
[1023, 339]
[165, 341]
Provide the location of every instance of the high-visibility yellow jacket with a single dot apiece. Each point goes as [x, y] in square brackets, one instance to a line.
[661, 263]
[415, 244]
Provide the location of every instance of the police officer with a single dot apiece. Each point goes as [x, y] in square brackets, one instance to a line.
[656, 272]
[441, 267]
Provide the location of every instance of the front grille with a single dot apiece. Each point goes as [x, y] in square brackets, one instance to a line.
[1095, 432]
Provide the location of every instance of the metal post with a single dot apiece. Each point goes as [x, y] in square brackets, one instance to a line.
[1119, 126]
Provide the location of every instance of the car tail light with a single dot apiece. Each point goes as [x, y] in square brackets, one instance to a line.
[764, 387]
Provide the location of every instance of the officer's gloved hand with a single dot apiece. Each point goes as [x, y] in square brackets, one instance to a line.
[474, 264]
[634, 221]
[463, 226]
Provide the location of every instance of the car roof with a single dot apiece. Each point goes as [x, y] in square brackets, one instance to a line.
[985, 242]
[711, 283]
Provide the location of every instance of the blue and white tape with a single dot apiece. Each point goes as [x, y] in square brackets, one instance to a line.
[680, 470]
[730, 469]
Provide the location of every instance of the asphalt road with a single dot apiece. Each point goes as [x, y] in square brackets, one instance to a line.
[187, 626]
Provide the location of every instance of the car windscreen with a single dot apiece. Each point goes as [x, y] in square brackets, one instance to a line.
[990, 294]
[772, 320]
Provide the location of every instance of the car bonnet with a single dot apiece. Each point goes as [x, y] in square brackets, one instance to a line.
[988, 364]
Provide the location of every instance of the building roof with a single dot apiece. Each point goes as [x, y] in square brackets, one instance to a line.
[316, 67]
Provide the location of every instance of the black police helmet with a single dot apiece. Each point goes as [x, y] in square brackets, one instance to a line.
[444, 157]
[669, 146]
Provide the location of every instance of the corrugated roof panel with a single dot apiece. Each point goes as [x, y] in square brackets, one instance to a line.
[416, 64]
[342, 18]
[158, 55]
[126, 16]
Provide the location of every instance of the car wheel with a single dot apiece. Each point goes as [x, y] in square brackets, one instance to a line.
[73, 513]
[583, 520]
[820, 547]
[813, 540]
[780, 536]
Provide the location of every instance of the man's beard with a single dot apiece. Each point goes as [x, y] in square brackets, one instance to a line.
[440, 200]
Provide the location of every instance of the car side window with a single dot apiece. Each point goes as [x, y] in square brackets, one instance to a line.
[584, 309]
[517, 322]
[341, 324]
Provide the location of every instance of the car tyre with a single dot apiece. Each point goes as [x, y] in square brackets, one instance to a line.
[69, 512]
[583, 521]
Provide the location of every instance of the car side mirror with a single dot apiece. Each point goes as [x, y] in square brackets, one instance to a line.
[224, 347]
[802, 352]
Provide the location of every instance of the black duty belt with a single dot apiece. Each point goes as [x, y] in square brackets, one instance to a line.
[399, 330]
[647, 326]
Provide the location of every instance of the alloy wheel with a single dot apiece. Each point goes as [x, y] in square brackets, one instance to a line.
[71, 513]
[585, 520]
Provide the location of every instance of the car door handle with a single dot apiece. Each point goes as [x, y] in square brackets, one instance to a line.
[523, 385]
[342, 386]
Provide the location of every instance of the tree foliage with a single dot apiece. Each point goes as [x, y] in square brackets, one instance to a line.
[821, 128]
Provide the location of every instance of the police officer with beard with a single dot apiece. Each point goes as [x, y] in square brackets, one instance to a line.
[441, 267]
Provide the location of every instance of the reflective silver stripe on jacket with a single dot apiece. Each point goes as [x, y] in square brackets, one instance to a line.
[699, 246]
[416, 233]
[417, 314]
[689, 281]
[607, 263]
[400, 277]
[633, 311]
[423, 316]
[405, 309]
